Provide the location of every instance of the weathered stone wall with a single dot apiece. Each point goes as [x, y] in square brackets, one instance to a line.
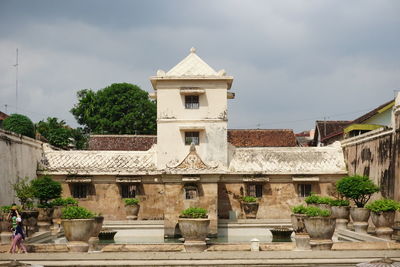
[19, 157]
[374, 155]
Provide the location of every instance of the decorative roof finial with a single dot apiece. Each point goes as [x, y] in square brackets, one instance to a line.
[193, 50]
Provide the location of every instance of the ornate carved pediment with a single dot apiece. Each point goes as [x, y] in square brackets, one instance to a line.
[192, 161]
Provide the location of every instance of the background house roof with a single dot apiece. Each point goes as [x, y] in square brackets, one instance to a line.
[262, 138]
[122, 142]
[3, 116]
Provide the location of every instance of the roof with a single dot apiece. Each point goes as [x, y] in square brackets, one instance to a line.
[290, 160]
[98, 162]
[122, 142]
[192, 65]
[262, 138]
[375, 111]
[326, 128]
[3, 116]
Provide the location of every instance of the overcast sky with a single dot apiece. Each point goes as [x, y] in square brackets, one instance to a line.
[293, 62]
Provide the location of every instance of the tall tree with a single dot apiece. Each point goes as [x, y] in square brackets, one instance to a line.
[120, 108]
[59, 134]
[19, 124]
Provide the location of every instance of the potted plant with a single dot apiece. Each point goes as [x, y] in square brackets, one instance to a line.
[250, 206]
[24, 193]
[78, 224]
[340, 210]
[318, 201]
[320, 225]
[57, 205]
[359, 189]
[383, 213]
[193, 224]
[45, 189]
[132, 208]
[301, 236]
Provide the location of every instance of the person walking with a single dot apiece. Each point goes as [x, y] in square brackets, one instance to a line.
[19, 237]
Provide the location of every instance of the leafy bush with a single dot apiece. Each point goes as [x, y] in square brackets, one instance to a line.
[194, 213]
[5, 209]
[324, 200]
[131, 201]
[358, 188]
[300, 209]
[249, 199]
[339, 202]
[315, 211]
[23, 191]
[64, 201]
[312, 199]
[20, 124]
[76, 212]
[383, 205]
[44, 189]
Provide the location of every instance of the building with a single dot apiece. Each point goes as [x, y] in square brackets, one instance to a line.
[195, 160]
[328, 132]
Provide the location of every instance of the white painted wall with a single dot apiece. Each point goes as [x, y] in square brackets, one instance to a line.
[19, 157]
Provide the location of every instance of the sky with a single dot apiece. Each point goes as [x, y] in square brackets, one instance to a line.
[293, 62]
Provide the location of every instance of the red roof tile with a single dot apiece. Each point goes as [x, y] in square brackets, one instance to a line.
[122, 142]
[262, 138]
[3, 116]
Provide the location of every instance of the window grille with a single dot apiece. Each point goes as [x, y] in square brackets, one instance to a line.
[304, 190]
[192, 102]
[191, 192]
[255, 190]
[80, 190]
[128, 190]
[192, 137]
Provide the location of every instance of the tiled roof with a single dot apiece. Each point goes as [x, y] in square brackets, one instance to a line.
[192, 65]
[290, 160]
[373, 112]
[327, 128]
[98, 162]
[262, 138]
[3, 116]
[122, 142]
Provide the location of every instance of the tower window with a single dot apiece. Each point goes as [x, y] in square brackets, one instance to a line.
[304, 190]
[192, 102]
[192, 137]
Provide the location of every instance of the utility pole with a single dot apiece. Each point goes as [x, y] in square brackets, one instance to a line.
[16, 83]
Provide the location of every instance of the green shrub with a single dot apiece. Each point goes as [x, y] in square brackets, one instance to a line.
[23, 191]
[20, 124]
[339, 202]
[358, 188]
[64, 202]
[312, 199]
[300, 209]
[383, 205]
[315, 211]
[194, 213]
[44, 189]
[324, 200]
[5, 209]
[76, 212]
[249, 199]
[131, 201]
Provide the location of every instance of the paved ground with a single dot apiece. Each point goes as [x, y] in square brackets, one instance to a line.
[226, 258]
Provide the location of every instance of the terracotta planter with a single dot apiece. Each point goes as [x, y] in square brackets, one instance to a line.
[360, 218]
[194, 229]
[250, 209]
[298, 224]
[78, 232]
[44, 218]
[132, 211]
[30, 218]
[321, 230]
[341, 213]
[383, 222]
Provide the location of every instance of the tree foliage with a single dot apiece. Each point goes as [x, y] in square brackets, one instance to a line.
[44, 189]
[20, 124]
[23, 191]
[120, 108]
[358, 188]
[59, 134]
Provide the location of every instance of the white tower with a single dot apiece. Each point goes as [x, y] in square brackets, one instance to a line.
[191, 108]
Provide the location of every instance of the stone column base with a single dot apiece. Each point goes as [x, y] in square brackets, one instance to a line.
[360, 227]
[44, 226]
[77, 246]
[94, 244]
[302, 242]
[5, 237]
[384, 232]
[195, 246]
[325, 244]
[341, 223]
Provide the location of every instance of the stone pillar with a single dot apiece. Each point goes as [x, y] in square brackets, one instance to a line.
[396, 150]
[173, 199]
